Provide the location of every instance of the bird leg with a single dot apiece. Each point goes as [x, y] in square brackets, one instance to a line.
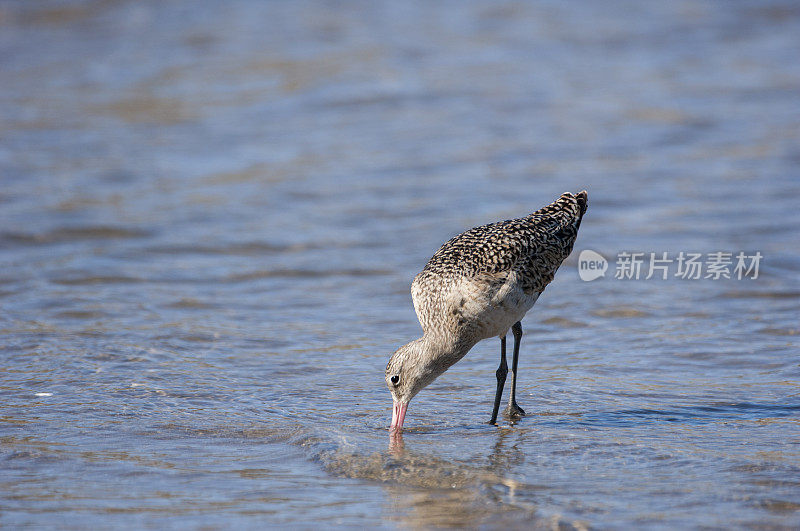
[501, 373]
[513, 409]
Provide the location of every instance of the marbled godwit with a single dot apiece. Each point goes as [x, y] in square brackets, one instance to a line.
[478, 285]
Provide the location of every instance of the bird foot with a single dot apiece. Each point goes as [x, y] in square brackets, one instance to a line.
[513, 410]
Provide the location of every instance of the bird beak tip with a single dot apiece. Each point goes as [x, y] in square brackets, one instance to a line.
[398, 416]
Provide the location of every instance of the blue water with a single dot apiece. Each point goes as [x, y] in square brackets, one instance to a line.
[211, 213]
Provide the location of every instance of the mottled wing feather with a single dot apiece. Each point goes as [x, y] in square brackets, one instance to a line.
[533, 246]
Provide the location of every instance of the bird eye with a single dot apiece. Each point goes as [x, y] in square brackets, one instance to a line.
[395, 379]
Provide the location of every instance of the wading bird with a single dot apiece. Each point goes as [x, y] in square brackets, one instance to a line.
[478, 285]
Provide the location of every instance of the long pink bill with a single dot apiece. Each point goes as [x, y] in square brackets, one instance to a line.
[398, 415]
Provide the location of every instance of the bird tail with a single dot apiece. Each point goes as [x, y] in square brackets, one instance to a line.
[564, 219]
[583, 201]
[565, 211]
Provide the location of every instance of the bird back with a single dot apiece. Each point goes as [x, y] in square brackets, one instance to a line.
[534, 246]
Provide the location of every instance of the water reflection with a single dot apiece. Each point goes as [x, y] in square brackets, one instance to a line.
[456, 493]
[396, 443]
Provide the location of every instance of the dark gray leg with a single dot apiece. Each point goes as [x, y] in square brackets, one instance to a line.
[501, 373]
[513, 409]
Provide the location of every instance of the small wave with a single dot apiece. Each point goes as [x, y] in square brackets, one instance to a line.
[252, 248]
[80, 315]
[73, 234]
[563, 322]
[622, 311]
[236, 249]
[739, 411]
[305, 273]
[96, 279]
[774, 331]
[753, 294]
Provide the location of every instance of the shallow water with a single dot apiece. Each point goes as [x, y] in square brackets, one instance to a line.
[211, 213]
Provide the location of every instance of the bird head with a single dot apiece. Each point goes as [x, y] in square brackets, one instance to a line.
[409, 370]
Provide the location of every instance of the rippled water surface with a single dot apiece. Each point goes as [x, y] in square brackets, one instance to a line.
[211, 213]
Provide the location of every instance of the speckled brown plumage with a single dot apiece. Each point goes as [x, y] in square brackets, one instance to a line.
[534, 245]
[479, 284]
[522, 254]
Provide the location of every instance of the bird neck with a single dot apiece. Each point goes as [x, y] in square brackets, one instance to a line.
[446, 348]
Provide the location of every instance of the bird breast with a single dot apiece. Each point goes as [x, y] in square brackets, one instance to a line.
[476, 307]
